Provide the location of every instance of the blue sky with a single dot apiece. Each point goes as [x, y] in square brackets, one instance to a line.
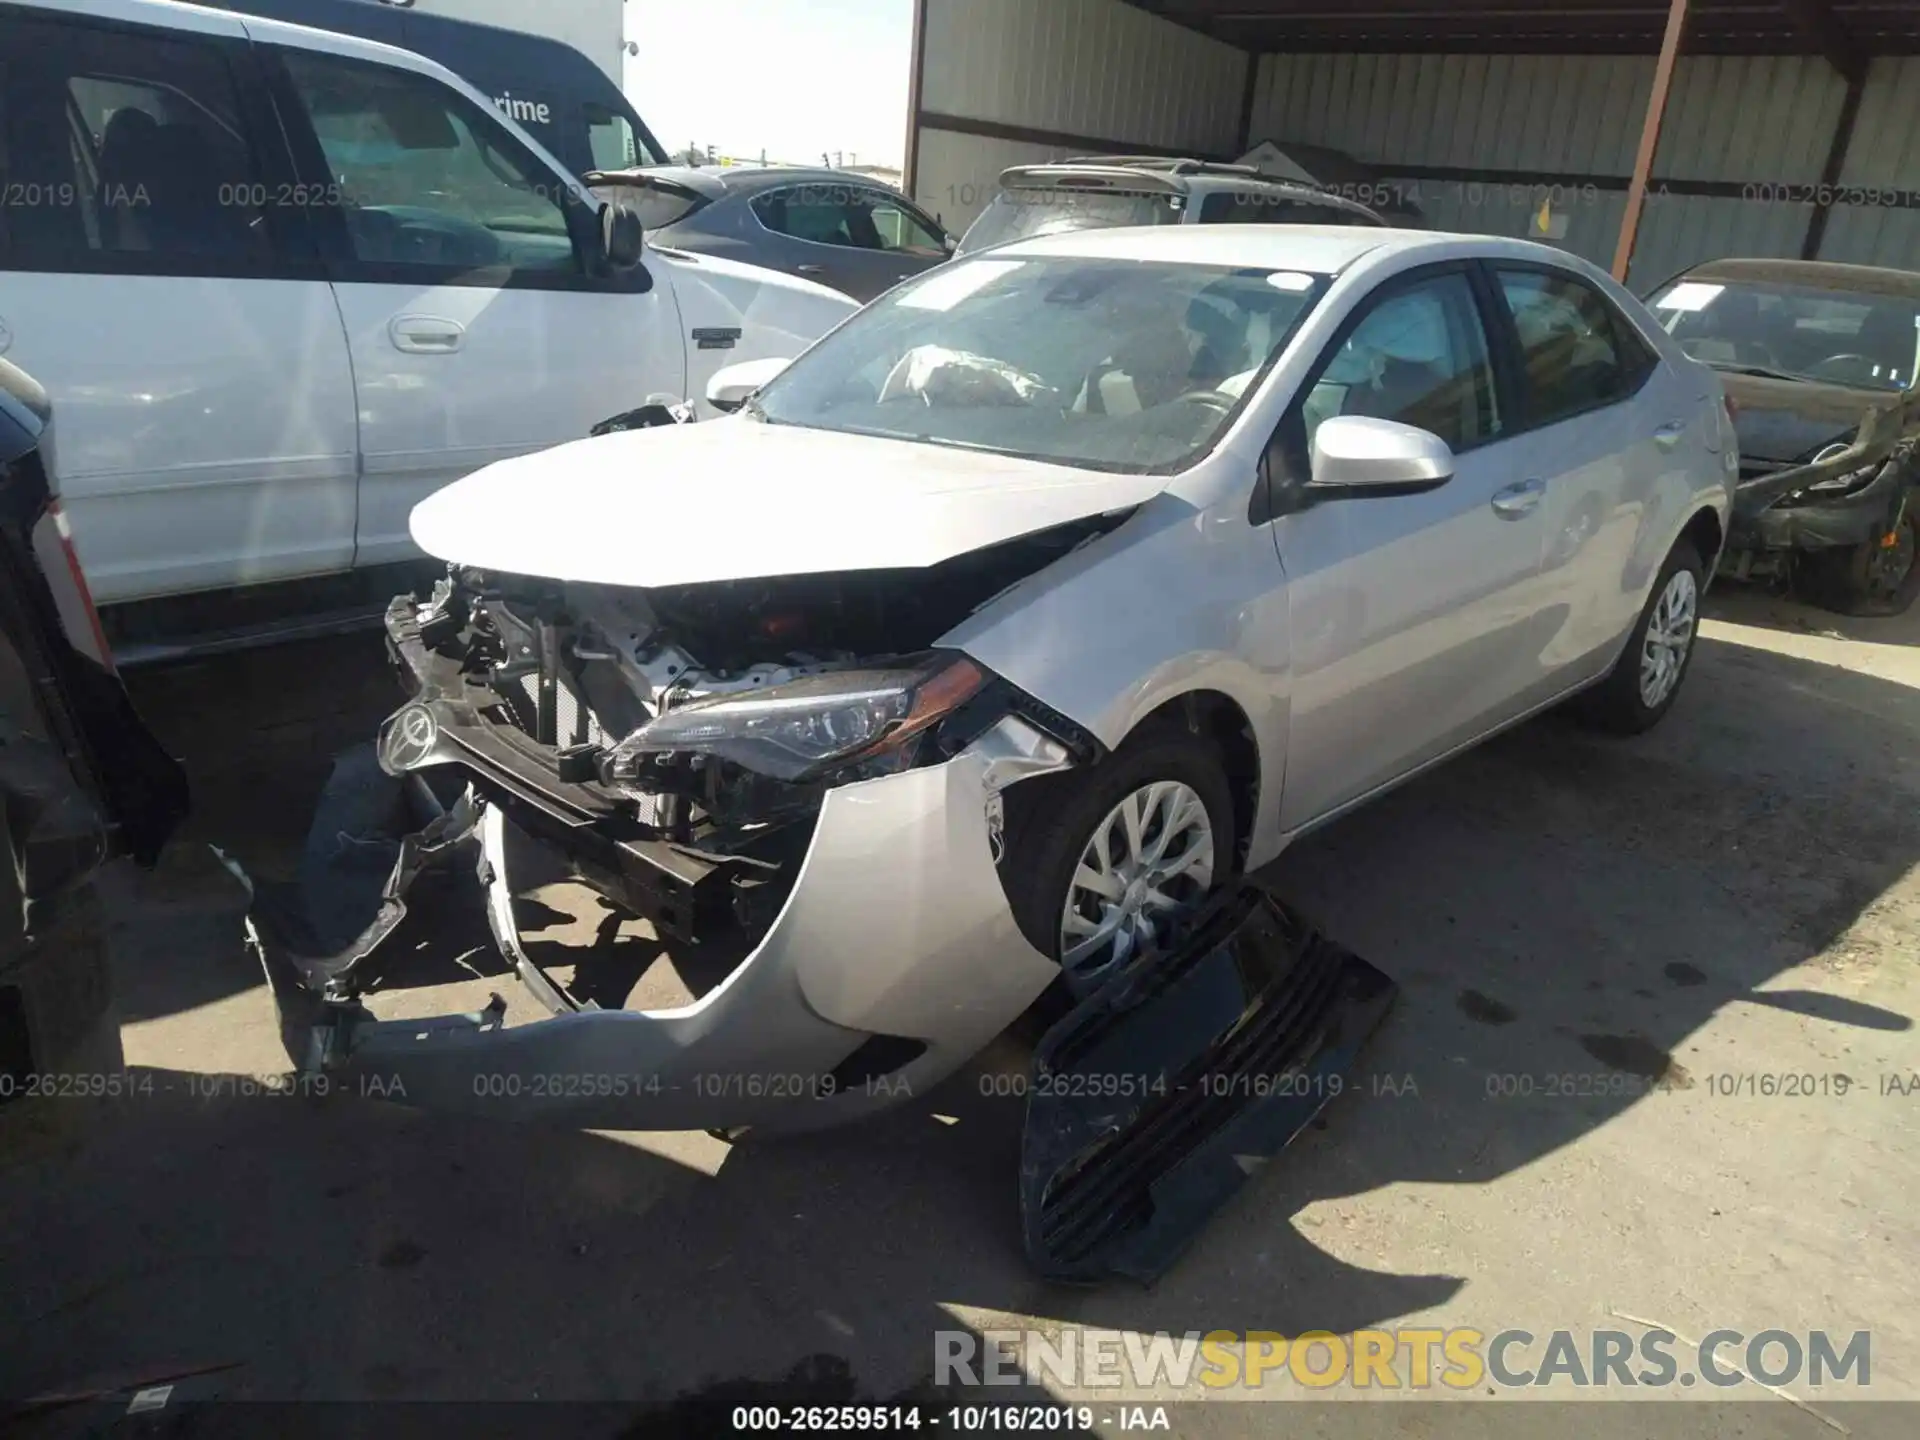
[793, 76]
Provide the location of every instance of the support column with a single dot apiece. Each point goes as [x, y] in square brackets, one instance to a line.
[1649, 139]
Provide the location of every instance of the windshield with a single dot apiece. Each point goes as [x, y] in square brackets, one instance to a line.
[1023, 214]
[1106, 364]
[1837, 337]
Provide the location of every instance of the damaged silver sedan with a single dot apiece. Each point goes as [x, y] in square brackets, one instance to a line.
[983, 650]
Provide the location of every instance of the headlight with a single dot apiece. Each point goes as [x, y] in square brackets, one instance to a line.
[1852, 480]
[806, 728]
[1840, 484]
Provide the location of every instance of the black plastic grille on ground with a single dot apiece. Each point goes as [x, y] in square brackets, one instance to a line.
[1154, 1099]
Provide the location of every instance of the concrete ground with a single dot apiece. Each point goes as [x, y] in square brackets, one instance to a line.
[1597, 941]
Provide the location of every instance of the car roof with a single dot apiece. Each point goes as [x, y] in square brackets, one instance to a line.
[716, 181]
[1316, 249]
[1814, 274]
[1172, 175]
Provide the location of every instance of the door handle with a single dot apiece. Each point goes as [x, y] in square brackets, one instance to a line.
[810, 269]
[426, 334]
[1519, 499]
[1668, 435]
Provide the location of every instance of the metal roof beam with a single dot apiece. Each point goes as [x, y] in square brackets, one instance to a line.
[1827, 36]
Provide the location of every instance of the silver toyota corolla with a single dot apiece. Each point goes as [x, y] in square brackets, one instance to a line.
[1040, 599]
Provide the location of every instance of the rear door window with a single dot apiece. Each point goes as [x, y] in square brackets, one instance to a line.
[820, 214]
[129, 151]
[901, 228]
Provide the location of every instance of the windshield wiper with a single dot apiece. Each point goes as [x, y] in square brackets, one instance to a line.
[1763, 372]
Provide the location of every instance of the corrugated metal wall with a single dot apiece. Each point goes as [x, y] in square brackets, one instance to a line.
[1075, 70]
[1885, 157]
[1457, 126]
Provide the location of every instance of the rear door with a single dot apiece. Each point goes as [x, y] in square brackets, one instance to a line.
[1601, 421]
[463, 268]
[157, 277]
[857, 238]
[1410, 614]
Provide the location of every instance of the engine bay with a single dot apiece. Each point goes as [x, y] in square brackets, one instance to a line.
[579, 672]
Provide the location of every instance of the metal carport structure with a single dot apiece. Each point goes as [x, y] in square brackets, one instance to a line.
[1783, 127]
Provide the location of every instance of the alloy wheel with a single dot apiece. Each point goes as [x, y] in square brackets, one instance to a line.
[1149, 859]
[1669, 636]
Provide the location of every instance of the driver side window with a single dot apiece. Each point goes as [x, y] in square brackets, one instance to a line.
[1418, 355]
[424, 177]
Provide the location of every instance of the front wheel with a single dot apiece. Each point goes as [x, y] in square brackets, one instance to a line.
[1645, 680]
[1879, 576]
[1104, 866]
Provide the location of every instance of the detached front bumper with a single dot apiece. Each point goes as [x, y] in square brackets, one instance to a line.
[1777, 512]
[894, 958]
[1763, 520]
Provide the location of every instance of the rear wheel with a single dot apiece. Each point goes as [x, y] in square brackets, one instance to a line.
[1645, 680]
[1107, 860]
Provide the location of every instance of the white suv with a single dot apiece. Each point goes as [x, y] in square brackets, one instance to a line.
[282, 284]
[1098, 192]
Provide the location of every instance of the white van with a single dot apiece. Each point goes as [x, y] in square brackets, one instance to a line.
[281, 284]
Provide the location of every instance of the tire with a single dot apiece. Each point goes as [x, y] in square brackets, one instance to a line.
[1055, 821]
[1620, 702]
[1860, 580]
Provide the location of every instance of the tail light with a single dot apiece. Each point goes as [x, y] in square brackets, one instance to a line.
[60, 563]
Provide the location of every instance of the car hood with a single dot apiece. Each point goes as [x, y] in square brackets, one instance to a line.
[1786, 421]
[737, 499]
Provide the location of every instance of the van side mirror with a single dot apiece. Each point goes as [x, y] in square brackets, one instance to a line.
[622, 237]
[1360, 455]
[732, 385]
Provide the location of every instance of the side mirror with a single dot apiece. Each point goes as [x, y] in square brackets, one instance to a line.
[732, 385]
[622, 237]
[1359, 455]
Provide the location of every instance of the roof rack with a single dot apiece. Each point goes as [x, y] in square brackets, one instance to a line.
[1179, 165]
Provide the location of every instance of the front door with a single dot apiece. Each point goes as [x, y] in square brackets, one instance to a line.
[1410, 614]
[476, 328]
[154, 278]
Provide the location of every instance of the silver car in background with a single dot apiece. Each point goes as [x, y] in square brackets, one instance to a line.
[1026, 608]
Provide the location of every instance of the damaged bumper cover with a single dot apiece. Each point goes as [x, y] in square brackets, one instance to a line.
[1161, 1094]
[895, 958]
[1780, 510]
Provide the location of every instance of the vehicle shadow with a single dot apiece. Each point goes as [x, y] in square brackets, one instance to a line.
[1553, 903]
[1772, 609]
